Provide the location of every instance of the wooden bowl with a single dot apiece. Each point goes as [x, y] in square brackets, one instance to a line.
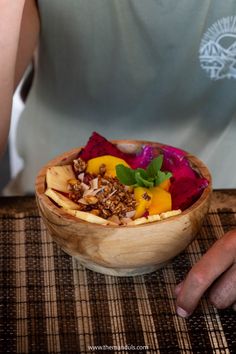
[122, 250]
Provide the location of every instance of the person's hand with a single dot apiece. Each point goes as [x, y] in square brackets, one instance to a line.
[215, 273]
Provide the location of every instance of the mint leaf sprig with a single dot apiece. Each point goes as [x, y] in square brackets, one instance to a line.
[151, 177]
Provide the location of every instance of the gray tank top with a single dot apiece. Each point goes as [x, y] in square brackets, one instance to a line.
[160, 70]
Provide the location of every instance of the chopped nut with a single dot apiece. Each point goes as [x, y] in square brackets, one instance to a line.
[115, 219]
[84, 186]
[111, 194]
[79, 165]
[95, 212]
[106, 213]
[74, 189]
[82, 201]
[102, 195]
[90, 199]
[92, 191]
[81, 176]
[72, 181]
[130, 214]
[94, 183]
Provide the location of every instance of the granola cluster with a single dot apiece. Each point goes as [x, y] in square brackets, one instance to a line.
[101, 195]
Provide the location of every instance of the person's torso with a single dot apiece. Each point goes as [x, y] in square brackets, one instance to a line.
[160, 70]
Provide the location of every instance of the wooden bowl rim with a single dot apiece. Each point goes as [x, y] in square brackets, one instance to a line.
[41, 177]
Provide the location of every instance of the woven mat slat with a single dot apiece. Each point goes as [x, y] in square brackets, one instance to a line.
[50, 304]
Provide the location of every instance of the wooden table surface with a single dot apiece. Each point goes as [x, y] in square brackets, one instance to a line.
[51, 304]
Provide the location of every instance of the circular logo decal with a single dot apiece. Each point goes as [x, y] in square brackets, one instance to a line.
[217, 52]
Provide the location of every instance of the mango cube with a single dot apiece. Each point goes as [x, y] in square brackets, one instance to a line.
[110, 163]
[143, 197]
[161, 201]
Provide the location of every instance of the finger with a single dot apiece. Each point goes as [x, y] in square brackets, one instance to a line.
[215, 262]
[223, 292]
[178, 288]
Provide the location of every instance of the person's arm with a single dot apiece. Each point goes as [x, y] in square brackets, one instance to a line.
[19, 28]
[215, 273]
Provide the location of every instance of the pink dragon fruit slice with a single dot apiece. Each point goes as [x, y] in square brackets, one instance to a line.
[142, 159]
[187, 185]
[97, 146]
[185, 191]
[174, 158]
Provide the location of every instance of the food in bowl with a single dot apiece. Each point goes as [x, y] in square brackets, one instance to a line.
[134, 248]
[107, 186]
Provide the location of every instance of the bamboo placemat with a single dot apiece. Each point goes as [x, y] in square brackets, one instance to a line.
[50, 304]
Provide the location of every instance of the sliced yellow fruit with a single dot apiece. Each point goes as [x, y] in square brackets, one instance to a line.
[110, 163]
[61, 200]
[165, 185]
[161, 201]
[156, 217]
[57, 177]
[145, 220]
[170, 213]
[83, 215]
[143, 197]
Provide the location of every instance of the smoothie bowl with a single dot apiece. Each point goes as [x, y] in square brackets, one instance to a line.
[125, 207]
